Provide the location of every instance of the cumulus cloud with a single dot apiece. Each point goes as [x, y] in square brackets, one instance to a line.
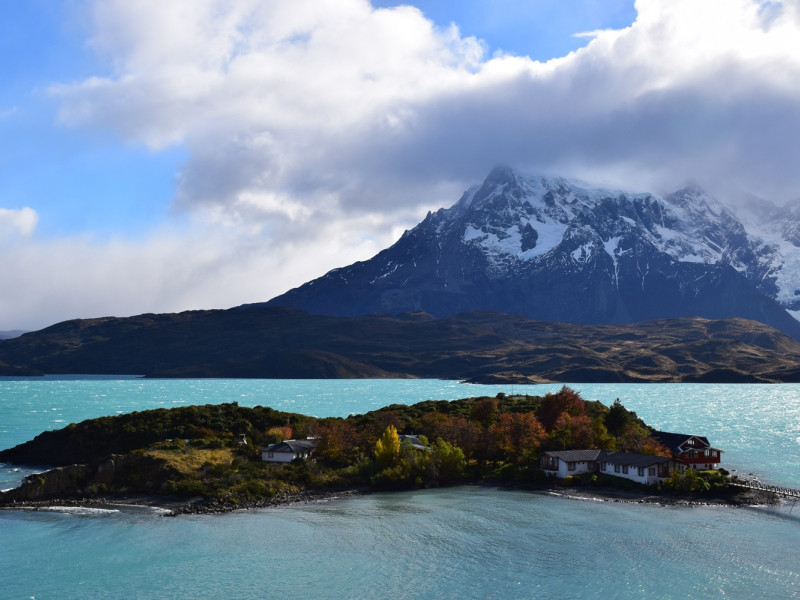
[265, 95]
[291, 106]
[16, 222]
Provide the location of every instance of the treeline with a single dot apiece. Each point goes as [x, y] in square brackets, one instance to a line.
[501, 436]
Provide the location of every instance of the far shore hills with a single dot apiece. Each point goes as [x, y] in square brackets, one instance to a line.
[210, 459]
[257, 341]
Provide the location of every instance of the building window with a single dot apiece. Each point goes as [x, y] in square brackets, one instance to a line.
[651, 471]
[625, 469]
[641, 471]
[616, 468]
[603, 466]
[571, 466]
[270, 455]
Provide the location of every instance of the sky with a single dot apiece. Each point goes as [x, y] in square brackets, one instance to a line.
[168, 155]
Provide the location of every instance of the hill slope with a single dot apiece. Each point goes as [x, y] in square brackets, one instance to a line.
[266, 342]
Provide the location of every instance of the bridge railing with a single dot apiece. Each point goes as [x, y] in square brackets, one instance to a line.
[757, 485]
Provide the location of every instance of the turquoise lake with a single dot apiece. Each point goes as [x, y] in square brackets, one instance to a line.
[463, 542]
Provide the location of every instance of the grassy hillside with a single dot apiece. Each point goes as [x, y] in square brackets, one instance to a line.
[262, 342]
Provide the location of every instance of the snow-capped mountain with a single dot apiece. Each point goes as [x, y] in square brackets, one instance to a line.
[552, 249]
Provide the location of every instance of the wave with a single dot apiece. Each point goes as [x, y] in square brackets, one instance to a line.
[83, 511]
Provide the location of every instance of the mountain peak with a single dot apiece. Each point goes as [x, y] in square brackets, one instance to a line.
[553, 249]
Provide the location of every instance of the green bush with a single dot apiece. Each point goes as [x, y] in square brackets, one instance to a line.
[701, 482]
[191, 487]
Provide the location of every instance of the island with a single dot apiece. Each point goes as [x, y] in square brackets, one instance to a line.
[218, 458]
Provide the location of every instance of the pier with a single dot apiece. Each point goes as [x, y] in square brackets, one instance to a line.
[780, 491]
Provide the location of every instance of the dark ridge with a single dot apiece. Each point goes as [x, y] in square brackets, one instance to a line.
[273, 342]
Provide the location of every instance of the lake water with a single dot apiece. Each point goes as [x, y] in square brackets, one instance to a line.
[463, 542]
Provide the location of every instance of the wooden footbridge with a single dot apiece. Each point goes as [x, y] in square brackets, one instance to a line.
[784, 492]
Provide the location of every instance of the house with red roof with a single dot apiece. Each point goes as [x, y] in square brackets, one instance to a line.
[695, 451]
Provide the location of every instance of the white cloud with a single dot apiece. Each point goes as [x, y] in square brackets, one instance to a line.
[45, 282]
[300, 104]
[21, 221]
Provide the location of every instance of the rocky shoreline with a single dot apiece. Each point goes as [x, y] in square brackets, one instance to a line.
[173, 506]
[739, 498]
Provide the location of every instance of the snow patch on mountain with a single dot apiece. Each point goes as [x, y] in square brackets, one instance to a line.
[516, 218]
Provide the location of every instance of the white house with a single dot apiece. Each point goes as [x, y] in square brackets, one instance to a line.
[563, 463]
[288, 450]
[641, 468]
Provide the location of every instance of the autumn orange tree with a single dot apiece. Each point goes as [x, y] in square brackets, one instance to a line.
[514, 433]
[552, 406]
[278, 434]
[338, 443]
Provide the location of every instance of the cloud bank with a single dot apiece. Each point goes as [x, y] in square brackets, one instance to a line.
[293, 107]
[317, 129]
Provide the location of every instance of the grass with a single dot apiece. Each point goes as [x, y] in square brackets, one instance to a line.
[190, 460]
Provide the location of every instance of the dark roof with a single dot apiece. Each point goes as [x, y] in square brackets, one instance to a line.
[675, 441]
[631, 459]
[414, 441]
[574, 455]
[292, 446]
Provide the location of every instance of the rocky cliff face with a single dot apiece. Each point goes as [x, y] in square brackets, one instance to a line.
[550, 249]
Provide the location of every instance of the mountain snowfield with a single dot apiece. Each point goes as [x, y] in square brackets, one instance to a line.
[687, 225]
[554, 249]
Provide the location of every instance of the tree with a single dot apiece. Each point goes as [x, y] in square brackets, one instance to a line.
[602, 439]
[387, 448]
[484, 412]
[465, 434]
[566, 400]
[398, 463]
[278, 434]
[617, 417]
[339, 441]
[447, 462]
[582, 432]
[560, 435]
[652, 446]
[632, 437]
[513, 433]
[436, 425]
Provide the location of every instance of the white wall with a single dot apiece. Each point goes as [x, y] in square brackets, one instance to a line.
[281, 457]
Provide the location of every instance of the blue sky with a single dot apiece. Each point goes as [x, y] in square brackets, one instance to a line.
[542, 29]
[164, 155]
[79, 181]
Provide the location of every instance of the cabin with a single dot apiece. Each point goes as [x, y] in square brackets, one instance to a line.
[414, 441]
[288, 450]
[694, 451]
[641, 468]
